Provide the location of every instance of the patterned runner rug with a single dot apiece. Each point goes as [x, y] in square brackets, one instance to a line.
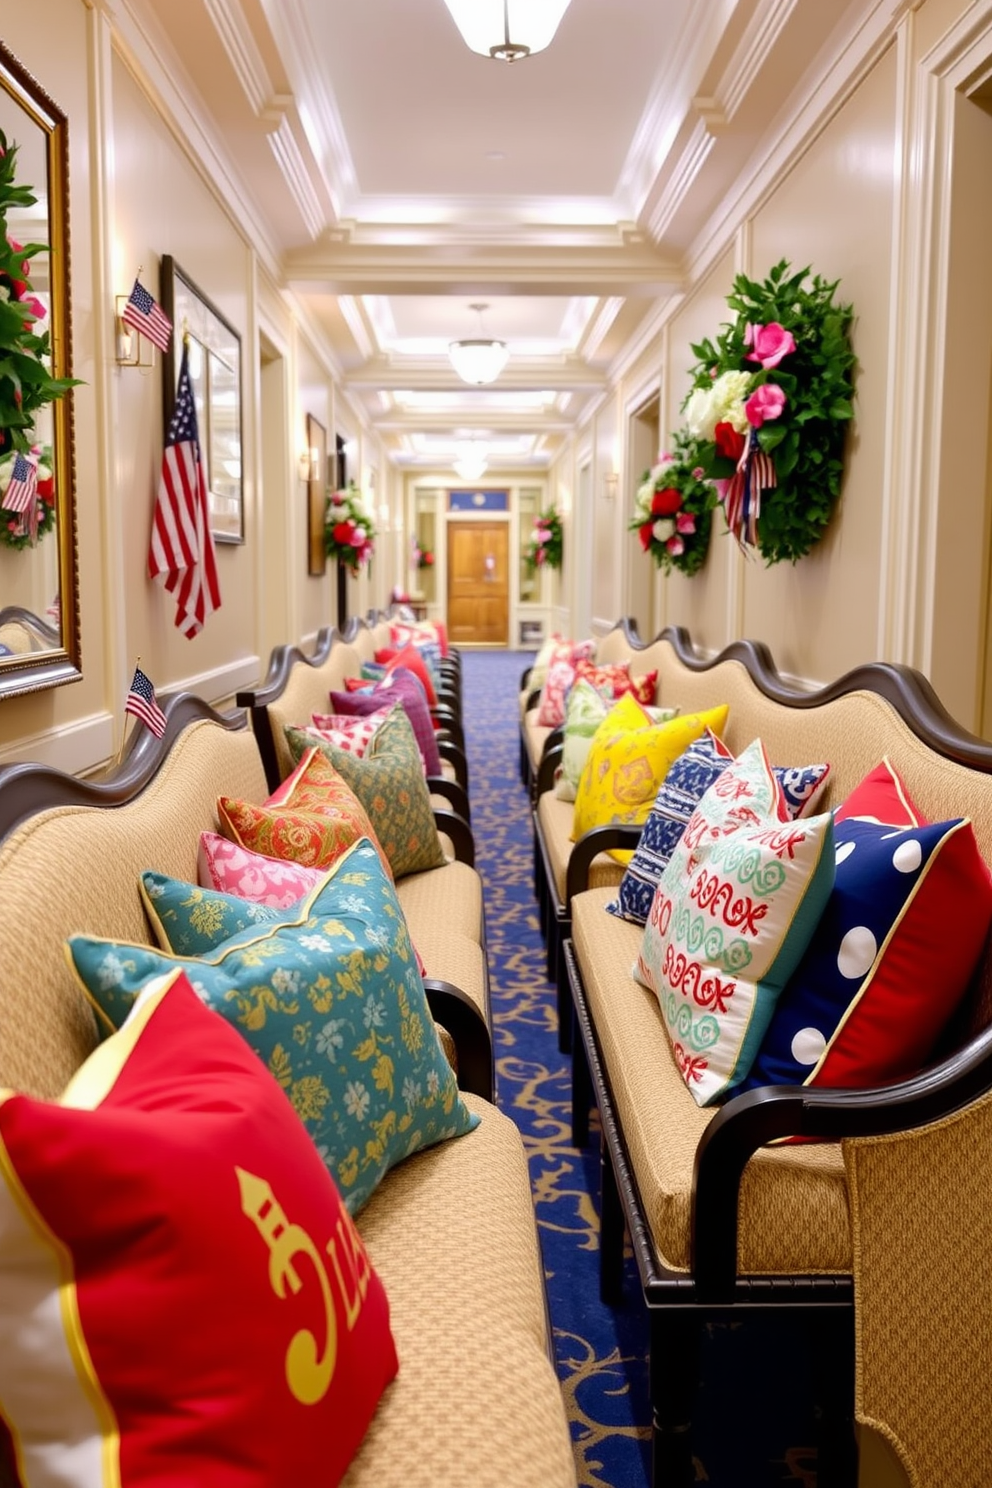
[754, 1424]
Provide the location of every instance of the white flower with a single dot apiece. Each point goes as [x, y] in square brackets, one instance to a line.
[721, 403]
[356, 1100]
[377, 937]
[433, 1084]
[329, 1038]
[354, 903]
[112, 970]
[286, 982]
[154, 890]
[663, 529]
[374, 1015]
[411, 1093]
[316, 943]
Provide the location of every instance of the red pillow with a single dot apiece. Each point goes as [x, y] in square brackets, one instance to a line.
[410, 658]
[173, 1183]
[881, 796]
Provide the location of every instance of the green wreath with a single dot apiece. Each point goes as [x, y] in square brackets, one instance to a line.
[673, 509]
[349, 533]
[769, 409]
[545, 546]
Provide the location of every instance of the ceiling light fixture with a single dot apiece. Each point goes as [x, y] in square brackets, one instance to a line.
[507, 29]
[472, 460]
[479, 361]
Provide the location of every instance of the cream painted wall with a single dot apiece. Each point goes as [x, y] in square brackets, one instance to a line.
[161, 205]
[834, 211]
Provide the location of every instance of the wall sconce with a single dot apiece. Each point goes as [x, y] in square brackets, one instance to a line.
[612, 485]
[128, 342]
[308, 463]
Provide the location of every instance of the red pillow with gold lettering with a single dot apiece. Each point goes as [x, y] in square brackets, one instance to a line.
[183, 1295]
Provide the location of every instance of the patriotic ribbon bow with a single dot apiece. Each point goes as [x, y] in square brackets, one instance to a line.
[742, 496]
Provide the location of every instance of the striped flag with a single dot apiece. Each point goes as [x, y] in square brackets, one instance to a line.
[181, 551]
[147, 316]
[142, 702]
[20, 494]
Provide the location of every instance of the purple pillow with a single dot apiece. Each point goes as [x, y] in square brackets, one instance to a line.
[401, 686]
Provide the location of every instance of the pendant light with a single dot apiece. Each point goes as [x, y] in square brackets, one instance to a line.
[481, 360]
[507, 29]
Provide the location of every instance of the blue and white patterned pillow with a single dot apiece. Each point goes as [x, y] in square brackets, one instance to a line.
[679, 794]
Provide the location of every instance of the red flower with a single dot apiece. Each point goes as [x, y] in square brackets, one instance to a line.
[344, 534]
[666, 503]
[646, 532]
[729, 442]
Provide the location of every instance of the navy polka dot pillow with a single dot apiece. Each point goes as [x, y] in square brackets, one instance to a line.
[889, 961]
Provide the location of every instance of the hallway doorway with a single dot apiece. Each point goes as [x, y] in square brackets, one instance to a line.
[478, 583]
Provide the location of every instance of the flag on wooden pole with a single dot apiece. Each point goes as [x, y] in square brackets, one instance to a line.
[23, 486]
[142, 702]
[146, 315]
[181, 552]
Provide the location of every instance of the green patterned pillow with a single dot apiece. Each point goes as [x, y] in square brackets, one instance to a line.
[191, 920]
[329, 997]
[389, 781]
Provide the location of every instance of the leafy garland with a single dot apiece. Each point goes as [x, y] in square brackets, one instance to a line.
[545, 547]
[769, 408]
[25, 353]
[673, 510]
[18, 530]
[349, 534]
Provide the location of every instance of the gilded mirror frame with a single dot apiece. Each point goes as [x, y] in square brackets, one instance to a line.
[51, 662]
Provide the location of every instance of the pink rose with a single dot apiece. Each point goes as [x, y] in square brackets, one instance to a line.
[685, 522]
[675, 546]
[699, 473]
[768, 343]
[540, 556]
[766, 402]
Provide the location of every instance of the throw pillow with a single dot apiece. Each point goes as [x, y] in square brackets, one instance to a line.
[687, 781]
[615, 677]
[229, 868]
[311, 823]
[585, 710]
[330, 999]
[389, 782]
[731, 916]
[889, 962]
[551, 705]
[409, 657]
[882, 796]
[401, 686]
[173, 1183]
[628, 759]
[349, 731]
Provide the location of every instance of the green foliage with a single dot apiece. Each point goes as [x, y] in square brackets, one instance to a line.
[26, 384]
[807, 441]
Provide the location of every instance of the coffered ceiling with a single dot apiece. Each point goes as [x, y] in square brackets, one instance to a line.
[393, 179]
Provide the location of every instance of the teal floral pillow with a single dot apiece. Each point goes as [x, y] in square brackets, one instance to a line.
[389, 781]
[191, 920]
[329, 997]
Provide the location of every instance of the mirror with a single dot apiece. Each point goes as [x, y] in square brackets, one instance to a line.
[39, 602]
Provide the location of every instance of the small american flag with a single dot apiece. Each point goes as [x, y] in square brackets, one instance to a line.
[141, 701]
[142, 312]
[23, 485]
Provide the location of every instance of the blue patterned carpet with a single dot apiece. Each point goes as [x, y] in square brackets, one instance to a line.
[601, 1352]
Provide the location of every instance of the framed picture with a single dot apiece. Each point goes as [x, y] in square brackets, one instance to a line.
[316, 497]
[215, 374]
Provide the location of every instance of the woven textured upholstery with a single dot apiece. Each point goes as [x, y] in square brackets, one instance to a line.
[446, 1228]
[793, 1205]
[449, 898]
[451, 957]
[556, 818]
[923, 1295]
[51, 892]
[308, 691]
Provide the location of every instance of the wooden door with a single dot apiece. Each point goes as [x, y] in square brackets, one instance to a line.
[478, 583]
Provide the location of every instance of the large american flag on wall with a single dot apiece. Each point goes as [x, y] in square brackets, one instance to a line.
[181, 552]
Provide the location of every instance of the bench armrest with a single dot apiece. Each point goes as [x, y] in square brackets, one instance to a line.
[749, 1121]
[473, 1042]
[589, 846]
[458, 830]
[452, 792]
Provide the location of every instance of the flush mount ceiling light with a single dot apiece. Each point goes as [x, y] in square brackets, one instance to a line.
[479, 361]
[472, 460]
[507, 29]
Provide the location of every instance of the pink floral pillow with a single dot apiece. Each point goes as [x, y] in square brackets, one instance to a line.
[232, 869]
[557, 684]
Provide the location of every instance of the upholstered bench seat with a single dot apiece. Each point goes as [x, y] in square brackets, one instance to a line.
[447, 1227]
[793, 1203]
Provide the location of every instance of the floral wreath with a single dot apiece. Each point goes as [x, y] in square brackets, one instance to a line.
[20, 529]
[422, 557]
[769, 408]
[673, 509]
[349, 535]
[544, 548]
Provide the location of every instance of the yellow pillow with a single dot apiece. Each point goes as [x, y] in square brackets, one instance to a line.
[628, 759]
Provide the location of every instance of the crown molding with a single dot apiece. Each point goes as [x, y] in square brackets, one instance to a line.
[600, 324]
[292, 165]
[677, 188]
[229, 22]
